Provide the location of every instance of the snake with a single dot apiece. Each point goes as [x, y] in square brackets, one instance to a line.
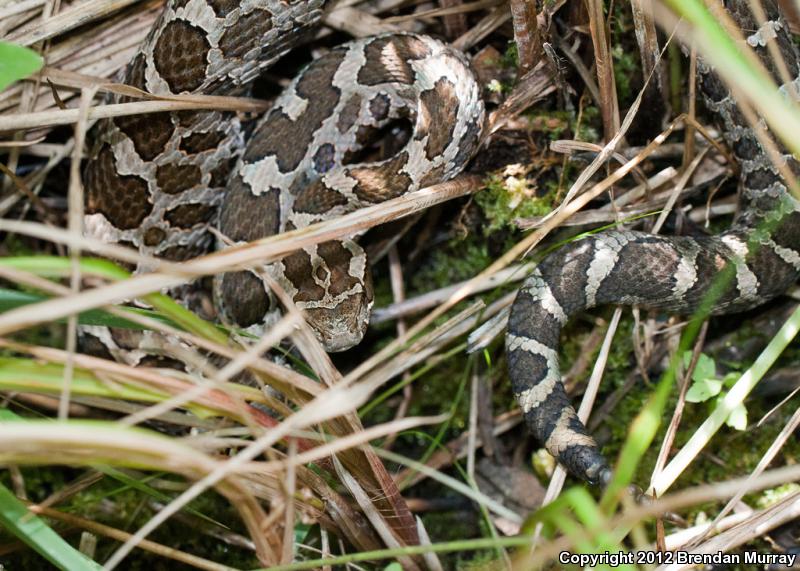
[760, 252]
[174, 185]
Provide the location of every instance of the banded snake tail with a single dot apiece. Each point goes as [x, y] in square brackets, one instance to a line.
[761, 250]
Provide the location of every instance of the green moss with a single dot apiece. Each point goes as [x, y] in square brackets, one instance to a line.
[511, 195]
[590, 125]
[626, 67]
[510, 59]
[458, 260]
[625, 53]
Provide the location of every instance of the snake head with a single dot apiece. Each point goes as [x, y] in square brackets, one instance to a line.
[334, 289]
[343, 326]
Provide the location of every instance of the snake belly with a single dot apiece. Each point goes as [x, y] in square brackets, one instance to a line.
[161, 183]
[761, 252]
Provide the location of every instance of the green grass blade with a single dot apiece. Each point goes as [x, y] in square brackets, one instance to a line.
[29, 375]
[166, 309]
[12, 299]
[17, 62]
[32, 530]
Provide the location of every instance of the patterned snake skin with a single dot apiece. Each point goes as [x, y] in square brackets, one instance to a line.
[762, 251]
[159, 182]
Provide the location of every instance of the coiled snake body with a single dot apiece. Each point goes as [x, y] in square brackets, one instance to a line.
[159, 182]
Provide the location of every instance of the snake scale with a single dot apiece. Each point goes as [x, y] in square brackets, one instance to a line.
[161, 182]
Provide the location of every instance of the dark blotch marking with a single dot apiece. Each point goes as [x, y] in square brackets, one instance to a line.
[180, 56]
[775, 275]
[245, 300]
[92, 345]
[469, 142]
[324, 158]
[245, 34]
[219, 174]
[122, 199]
[223, 7]
[534, 364]
[174, 179]
[149, 133]
[759, 179]
[154, 236]
[565, 272]
[316, 198]
[379, 107]
[188, 215]
[247, 217]
[389, 63]
[376, 184]
[181, 253]
[709, 262]
[337, 258]
[134, 74]
[434, 176]
[439, 110]
[533, 321]
[199, 142]
[645, 270]
[349, 114]
[747, 148]
[713, 88]
[288, 140]
[298, 270]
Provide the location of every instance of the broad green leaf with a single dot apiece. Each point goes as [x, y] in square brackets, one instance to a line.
[702, 390]
[705, 369]
[730, 379]
[17, 62]
[738, 417]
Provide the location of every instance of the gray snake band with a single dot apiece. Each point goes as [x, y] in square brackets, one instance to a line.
[158, 183]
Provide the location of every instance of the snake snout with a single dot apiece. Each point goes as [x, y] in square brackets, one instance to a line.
[343, 326]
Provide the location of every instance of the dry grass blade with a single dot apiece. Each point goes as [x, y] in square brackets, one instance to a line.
[526, 34]
[609, 106]
[647, 39]
[287, 447]
[119, 535]
[41, 119]
[433, 298]
[765, 461]
[334, 402]
[66, 20]
[83, 443]
[377, 520]
[486, 26]
[236, 257]
[755, 526]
